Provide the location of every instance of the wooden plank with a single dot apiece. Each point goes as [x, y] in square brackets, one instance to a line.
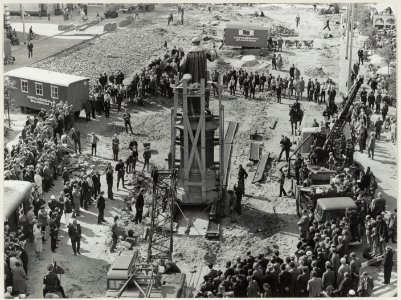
[255, 151]
[272, 122]
[228, 148]
[261, 168]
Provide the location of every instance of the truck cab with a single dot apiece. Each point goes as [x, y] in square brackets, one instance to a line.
[129, 277]
[331, 208]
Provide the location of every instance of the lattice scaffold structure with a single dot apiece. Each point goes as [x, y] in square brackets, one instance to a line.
[161, 229]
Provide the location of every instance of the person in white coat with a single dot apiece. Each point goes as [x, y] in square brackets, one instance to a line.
[38, 181]
[37, 234]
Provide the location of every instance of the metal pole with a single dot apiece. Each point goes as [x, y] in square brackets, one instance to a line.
[23, 23]
[350, 48]
[348, 19]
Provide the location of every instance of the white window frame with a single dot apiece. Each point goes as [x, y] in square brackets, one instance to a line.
[22, 82]
[52, 87]
[36, 88]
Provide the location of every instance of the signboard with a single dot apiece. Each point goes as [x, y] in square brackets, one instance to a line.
[255, 38]
[41, 101]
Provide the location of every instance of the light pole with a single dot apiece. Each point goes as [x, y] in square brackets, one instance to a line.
[23, 23]
[348, 20]
[350, 48]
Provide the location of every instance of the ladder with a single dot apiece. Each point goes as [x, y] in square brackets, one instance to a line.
[337, 129]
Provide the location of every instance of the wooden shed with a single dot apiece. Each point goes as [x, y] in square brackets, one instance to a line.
[36, 88]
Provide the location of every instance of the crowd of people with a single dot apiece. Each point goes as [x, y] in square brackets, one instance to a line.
[326, 263]
[154, 80]
[292, 86]
[38, 155]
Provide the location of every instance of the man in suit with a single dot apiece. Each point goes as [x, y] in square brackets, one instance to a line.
[30, 49]
[101, 205]
[74, 232]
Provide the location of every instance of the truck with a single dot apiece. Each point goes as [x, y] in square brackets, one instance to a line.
[245, 35]
[129, 277]
[37, 88]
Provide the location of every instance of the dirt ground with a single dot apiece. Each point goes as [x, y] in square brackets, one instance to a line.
[268, 221]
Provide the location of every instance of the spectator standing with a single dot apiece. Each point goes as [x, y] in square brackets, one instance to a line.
[282, 181]
[74, 232]
[297, 20]
[115, 145]
[127, 121]
[388, 263]
[30, 49]
[139, 203]
[101, 205]
[372, 145]
[94, 140]
[120, 168]
[109, 181]
[146, 155]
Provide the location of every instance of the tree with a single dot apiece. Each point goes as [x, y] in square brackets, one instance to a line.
[392, 85]
[371, 41]
[8, 100]
[388, 55]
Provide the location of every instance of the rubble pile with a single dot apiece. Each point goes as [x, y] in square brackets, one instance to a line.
[283, 31]
[316, 72]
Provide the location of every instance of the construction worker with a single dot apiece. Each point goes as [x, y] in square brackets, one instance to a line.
[282, 180]
[242, 175]
[140, 202]
[114, 234]
[101, 205]
[238, 192]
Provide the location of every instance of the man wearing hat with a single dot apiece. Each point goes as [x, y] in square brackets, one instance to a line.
[101, 205]
[53, 231]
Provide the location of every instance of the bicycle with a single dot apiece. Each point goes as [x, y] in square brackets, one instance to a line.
[32, 36]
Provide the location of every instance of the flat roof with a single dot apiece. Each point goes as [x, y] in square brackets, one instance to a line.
[45, 76]
[14, 192]
[336, 203]
[245, 26]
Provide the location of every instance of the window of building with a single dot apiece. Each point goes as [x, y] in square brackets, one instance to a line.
[54, 92]
[24, 86]
[39, 89]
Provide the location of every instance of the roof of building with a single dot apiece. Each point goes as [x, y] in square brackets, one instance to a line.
[245, 26]
[45, 76]
[336, 203]
[14, 192]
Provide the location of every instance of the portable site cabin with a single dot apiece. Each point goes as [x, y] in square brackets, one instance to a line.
[36, 88]
[244, 35]
[15, 201]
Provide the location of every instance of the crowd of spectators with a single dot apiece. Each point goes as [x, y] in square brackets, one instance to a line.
[15, 263]
[155, 79]
[38, 155]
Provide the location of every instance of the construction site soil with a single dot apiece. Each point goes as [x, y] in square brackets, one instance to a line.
[268, 222]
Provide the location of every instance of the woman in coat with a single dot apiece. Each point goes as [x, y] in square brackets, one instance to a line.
[37, 234]
[19, 279]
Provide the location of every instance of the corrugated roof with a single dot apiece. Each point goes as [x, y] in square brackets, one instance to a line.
[14, 191]
[45, 76]
[336, 203]
[245, 26]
